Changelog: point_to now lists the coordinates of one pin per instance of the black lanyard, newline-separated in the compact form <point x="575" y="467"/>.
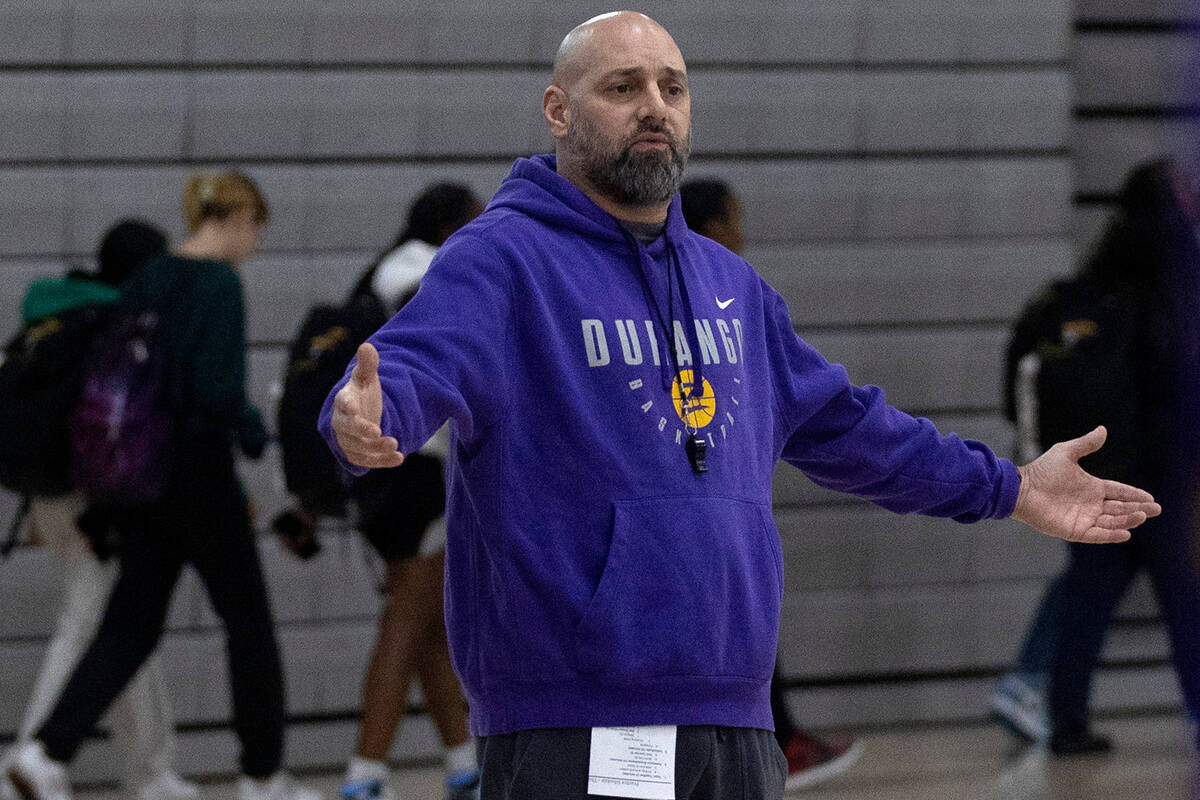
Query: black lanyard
<point x="696" y="447"/>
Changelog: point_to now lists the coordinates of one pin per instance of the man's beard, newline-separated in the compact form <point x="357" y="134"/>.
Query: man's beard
<point x="629" y="178"/>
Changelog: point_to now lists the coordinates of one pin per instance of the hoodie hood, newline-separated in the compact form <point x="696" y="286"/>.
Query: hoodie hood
<point x="48" y="296"/>
<point x="535" y="188"/>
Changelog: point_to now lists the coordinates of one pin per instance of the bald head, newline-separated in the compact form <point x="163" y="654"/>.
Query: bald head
<point x="605" y="36"/>
<point x="620" y="110"/>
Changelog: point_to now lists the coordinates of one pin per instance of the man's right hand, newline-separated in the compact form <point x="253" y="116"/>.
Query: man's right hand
<point x="357" y="412"/>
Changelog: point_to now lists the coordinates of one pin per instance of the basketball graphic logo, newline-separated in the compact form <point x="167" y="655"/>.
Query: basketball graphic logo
<point x="696" y="412"/>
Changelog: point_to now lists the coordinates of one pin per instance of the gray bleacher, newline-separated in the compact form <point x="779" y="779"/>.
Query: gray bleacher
<point x="908" y="172"/>
<point x="1136" y="66"/>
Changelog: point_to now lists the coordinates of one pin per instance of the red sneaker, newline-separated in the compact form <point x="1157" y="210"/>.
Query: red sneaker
<point x="811" y="759"/>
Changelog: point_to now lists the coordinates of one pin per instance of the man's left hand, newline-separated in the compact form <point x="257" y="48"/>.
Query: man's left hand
<point x="1059" y="498"/>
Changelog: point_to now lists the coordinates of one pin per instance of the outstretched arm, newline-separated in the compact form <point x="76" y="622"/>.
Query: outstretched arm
<point x="1058" y="498"/>
<point x="357" y="413"/>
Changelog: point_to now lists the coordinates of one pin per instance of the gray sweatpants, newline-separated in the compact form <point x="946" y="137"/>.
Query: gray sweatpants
<point x="711" y="763"/>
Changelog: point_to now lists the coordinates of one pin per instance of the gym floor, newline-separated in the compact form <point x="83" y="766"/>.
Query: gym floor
<point x="1151" y="761"/>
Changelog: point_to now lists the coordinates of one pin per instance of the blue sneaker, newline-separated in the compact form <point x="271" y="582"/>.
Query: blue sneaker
<point x="1021" y="708"/>
<point x="462" y="785"/>
<point x="366" y="789"/>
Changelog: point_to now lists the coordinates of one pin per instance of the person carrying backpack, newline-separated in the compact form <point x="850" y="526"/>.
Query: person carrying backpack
<point x="1115" y="345"/>
<point x="71" y="309"/>
<point x="202" y="518"/>
<point x="400" y="512"/>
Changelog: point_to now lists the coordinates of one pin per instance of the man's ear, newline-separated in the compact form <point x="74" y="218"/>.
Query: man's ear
<point x="556" y="109"/>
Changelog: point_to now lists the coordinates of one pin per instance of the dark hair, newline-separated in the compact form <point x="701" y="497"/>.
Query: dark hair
<point x="1149" y="190"/>
<point x="1147" y="231"/>
<point x="1147" y="255"/>
<point x="438" y="211"/>
<point x="125" y="248"/>
<point x="704" y="200"/>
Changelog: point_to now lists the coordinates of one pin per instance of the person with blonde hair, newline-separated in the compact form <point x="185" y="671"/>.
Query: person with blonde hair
<point x="202" y="518"/>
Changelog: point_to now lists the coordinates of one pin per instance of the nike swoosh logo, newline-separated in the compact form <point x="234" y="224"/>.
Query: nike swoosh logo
<point x="723" y="304"/>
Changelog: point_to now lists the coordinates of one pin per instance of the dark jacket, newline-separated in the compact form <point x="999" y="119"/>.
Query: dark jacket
<point x="202" y="307"/>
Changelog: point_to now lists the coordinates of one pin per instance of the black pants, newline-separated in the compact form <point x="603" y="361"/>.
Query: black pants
<point x="711" y="763"/>
<point x="1094" y="582"/>
<point x="203" y="521"/>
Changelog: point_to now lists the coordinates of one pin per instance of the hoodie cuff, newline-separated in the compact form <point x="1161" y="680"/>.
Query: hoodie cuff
<point x="1007" y="490"/>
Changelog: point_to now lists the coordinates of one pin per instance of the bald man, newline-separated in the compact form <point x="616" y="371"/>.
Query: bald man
<point x="620" y="390"/>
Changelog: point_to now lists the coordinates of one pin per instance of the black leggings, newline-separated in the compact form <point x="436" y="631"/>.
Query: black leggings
<point x="203" y="522"/>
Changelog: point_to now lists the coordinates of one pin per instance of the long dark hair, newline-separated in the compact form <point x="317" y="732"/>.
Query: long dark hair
<point x="437" y="212"/>
<point x="440" y="210"/>
<point x="1149" y="253"/>
<point x="1147" y="233"/>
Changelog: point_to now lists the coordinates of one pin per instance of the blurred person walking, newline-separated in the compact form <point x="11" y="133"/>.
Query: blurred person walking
<point x="142" y="721"/>
<point x="1124" y="334"/>
<point x="203" y="517"/>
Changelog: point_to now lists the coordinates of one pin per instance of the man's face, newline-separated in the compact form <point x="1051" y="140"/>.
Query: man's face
<point x="643" y="168"/>
<point x="629" y="130"/>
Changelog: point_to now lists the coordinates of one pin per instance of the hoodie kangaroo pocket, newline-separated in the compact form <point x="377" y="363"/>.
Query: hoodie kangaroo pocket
<point x="692" y="586"/>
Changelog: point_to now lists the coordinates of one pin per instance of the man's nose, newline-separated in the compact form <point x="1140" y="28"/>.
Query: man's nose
<point x="653" y="103"/>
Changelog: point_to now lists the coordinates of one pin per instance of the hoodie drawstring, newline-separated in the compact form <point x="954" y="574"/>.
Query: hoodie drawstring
<point x="670" y="367"/>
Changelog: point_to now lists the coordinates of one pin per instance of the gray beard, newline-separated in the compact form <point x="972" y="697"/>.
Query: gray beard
<point x="628" y="178"/>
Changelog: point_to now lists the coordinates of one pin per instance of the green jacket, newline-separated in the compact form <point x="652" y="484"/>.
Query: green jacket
<point x="46" y="297"/>
<point x="202" y="310"/>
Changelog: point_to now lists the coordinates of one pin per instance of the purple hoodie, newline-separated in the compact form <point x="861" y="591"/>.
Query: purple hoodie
<point x="593" y="578"/>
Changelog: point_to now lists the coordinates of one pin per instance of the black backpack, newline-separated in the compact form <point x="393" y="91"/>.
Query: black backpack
<point x="40" y="384"/>
<point x="1081" y="362"/>
<point x="317" y="359"/>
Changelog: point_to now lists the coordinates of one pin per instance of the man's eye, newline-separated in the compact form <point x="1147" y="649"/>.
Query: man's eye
<point x="622" y="88"/>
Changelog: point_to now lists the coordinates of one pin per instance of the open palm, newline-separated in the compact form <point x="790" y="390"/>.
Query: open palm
<point x="1059" y="498"/>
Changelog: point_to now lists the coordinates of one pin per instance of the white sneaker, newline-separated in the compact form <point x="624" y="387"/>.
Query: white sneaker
<point x="1021" y="708"/>
<point x="35" y="776"/>
<point x="366" y="789"/>
<point x="169" y="786"/>
<point x="1023" y="777"/>
<point x="279" y="786"/>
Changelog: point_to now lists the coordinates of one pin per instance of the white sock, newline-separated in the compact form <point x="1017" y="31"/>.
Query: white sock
<point x="461" y="758"/>
<point x="366" y="769"/>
